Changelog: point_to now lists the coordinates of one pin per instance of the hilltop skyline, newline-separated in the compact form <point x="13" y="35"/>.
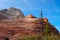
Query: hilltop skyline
<point x="50" y="8"/>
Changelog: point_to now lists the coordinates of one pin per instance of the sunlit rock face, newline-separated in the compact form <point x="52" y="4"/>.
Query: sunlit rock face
<point x="11" y="13"/>
<point x="15" y="24"/>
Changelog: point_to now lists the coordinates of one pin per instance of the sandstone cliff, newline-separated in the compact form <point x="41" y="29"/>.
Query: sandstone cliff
<point x="14" y="27"/>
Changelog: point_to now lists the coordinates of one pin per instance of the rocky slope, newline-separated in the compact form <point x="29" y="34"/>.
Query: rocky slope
<point x="14" y="27"/>
<point x="11" y="13"/>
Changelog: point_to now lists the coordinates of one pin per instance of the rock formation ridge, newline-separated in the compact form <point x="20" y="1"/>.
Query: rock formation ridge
<point x="14" y="24"/>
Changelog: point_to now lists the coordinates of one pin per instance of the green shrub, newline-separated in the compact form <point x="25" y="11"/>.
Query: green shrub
<point x="37" y="37"/>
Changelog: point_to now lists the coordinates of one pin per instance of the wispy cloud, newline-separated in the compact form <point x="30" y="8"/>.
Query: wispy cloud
<point x="43" y="1"/>
<point x="27" y="3"/>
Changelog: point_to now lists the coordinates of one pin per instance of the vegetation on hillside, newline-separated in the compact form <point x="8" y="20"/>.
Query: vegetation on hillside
<point x="37" y="37"/>
<point x="48" y="36"/>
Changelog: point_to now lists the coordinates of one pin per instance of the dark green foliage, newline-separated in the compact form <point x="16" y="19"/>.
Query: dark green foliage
<point x="47" y="29"/>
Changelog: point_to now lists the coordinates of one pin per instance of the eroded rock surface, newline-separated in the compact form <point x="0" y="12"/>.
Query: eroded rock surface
<point x="11" y="13"/>
<point x="13" y="24"/>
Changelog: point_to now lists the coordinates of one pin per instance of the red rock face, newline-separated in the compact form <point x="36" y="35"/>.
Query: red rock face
<point x="14" y="24"/>
<point x="13" y="28"/>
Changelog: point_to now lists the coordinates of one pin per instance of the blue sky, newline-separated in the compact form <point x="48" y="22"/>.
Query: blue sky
<point x="51" y="8"/>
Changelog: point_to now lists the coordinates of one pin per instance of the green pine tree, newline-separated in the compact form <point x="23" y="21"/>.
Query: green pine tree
<point x="47" y="30"/>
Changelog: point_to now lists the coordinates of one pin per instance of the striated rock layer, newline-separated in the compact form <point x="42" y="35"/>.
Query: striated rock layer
<point x="13" y="27"/>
